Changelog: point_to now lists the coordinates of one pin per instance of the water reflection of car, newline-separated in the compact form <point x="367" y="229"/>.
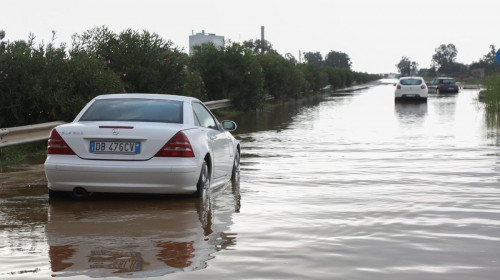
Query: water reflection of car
<point x="141" y="143"/>
<point x="138" y="238"/>
<point x="411" y="88"/>
<point x="443" y="85"/>
<point x="404" y="109"/>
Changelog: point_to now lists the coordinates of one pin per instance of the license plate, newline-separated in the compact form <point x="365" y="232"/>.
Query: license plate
<point x="115" y="147"/>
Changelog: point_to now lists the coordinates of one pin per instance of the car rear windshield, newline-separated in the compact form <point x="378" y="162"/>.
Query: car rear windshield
<point x="410" y="82"/>
<point x="135" y="110"/>
<point x="448" y="81"/>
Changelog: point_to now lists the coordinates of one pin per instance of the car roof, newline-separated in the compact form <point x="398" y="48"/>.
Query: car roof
<point x="148" y="96"/>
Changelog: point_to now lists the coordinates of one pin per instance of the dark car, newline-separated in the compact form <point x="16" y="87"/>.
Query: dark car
<point x="442" y="85"/>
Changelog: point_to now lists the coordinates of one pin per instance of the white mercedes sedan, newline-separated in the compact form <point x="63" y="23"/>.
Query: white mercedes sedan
<point x="141" y="143"/>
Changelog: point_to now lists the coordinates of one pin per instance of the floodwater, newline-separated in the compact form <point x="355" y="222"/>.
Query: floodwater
<point x="349" y="186"/>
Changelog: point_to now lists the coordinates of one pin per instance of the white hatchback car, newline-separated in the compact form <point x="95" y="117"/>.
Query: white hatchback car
<point x="141" y="143"/>
<point x="411" y="88"/>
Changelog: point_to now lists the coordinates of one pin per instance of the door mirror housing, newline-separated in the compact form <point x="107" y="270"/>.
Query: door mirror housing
<point x="229" y="125"/>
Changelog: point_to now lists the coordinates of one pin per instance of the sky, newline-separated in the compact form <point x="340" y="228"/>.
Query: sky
<point x="374" y="34"/>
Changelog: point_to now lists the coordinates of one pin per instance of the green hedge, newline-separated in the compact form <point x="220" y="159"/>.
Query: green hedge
<point x="47" y="82"/>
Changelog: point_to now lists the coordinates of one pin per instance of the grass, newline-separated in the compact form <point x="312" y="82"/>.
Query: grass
<point x="491" y="99"/>
<point x="18" y="154"/>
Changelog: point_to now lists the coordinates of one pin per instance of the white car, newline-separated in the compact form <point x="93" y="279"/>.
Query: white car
<point x="141" y="143"/>
<point x="411" y="88"/>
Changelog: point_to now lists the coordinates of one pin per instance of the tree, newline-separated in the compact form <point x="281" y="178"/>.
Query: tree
<point x="145" y="62"/>
<point x="427" y="72"/>
<point x="244" y="78"/>
<point x="291" y="58"/>
<point x="282" y="78"/>
<point x="2" y="44"/>
<point x="208" y="60"/>
<point x="231" y="72"/>
<point x="444" y="58"/>
<point x="490" y="57"/>
<point x="315" y="77"/>
<point x="406" y="67"/>
<point x="260" y="47"/>
<point x="313" y="58"/>
<point x="488" y="62"/>
<point x="47" y="83"/>
<point x="338" y="59"/>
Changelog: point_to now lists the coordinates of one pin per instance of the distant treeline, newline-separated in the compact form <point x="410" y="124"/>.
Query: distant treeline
<point x="40" y="83"/>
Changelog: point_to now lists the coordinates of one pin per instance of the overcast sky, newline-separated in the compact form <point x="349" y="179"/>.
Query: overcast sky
<point x="375" y="34"/>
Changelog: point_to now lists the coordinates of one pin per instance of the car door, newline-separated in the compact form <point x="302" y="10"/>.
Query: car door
<point x="217" y="140"/>
<point x="431" y="86"/>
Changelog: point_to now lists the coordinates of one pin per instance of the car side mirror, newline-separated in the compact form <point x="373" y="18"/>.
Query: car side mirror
<point x="229" y="125"/>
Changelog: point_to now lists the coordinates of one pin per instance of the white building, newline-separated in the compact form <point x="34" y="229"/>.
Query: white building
<point x="202" y="38"/>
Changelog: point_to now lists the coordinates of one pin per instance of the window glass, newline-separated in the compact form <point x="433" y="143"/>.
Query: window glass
<point x="410" y="82"/>
<point x="203" y="116"/>
<point x="134" y="110"/>
<point x="448" y="81"/>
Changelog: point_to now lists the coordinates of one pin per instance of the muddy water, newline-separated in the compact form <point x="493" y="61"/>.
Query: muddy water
<point x="337" y="187"/>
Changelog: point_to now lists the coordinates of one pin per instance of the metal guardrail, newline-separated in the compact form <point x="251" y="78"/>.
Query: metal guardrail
<point x="469" y="86"/>
<point x="25" y="134"/>
<point x="217" y="104"/>
<point x="38" y="132"/>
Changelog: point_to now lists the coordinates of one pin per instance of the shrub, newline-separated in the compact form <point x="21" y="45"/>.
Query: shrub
<point x="491" y="98"/>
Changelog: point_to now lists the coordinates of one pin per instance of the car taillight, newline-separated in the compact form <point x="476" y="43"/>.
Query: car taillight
<point x="177" y="146"/>
<point x="399" y="87"/>
<point x="422" y="86"/>
<point x="57" y="146"/>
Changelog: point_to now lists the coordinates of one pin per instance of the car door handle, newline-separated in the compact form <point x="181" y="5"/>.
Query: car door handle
<point x="212" y="137"/>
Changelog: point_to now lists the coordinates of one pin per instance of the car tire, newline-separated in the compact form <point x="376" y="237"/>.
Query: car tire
<point x="81" y="194"/>
<point x="204" y="181"/>
<point x="235" y="174"/>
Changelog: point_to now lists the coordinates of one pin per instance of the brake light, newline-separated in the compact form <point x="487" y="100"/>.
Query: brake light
<point x="57" y="146"/>
<point x="422" y="86"/>
<point x="177" y="146"/>
<point x="399" y="87"/>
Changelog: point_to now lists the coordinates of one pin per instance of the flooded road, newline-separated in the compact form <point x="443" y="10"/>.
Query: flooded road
<point x="335" y="187"/>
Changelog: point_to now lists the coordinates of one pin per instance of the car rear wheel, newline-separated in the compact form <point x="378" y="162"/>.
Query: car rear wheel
<point x="204" y="180"/>
<point x="235" y="175"/>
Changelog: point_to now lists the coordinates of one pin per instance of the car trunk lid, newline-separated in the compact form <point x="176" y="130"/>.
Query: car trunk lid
<point x="117" y="140"/>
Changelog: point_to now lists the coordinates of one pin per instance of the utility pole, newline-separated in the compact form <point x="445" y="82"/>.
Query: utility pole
<point x="262" y="40"/>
